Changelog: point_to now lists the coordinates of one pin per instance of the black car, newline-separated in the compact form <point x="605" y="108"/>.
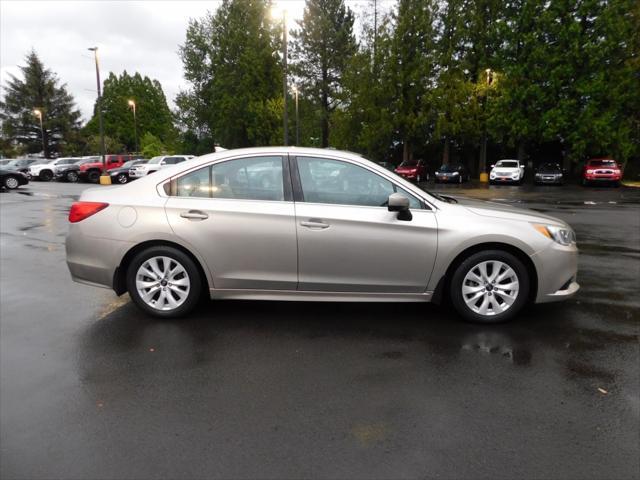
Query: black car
<point x="452" y="173"/>
<point x="121" y="175"/>
<point x="12" y="179"/>
<point x="549" y="173"/>
<point x="70" y="172"/>
<point x="23" y="164"/>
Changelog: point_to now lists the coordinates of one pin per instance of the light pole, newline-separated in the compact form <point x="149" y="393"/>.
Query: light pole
<point x="132" y="104"/>
<point x="483" y="150"/>
<point x="285" y="115"/>
<point x="38" y="113"/>
<point x="296" y="91"/>
<point x="107" y="178"/>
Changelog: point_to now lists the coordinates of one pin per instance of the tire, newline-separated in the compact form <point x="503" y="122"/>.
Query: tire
<point x="45" y="175"/>
<point x="459" y="179"/>
<point x="10" y="182"/>
<point x="495" y="312"/>
<point x="170" y="256"/>
<point x="72" y="177"/>
<point x="418" y="179"/>
<point x="122" y="178"/>
<point x="93" y="176"/>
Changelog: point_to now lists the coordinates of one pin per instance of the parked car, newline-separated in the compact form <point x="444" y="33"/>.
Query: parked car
<point x="91" y="171"/>
<point x="413" y="170"/>
<point x="549" y="173"/>
<point x="45" y="171"/>
<point x="210" y="224"/>
<point x="601" y="170"/>
<point x="452" y="173"/>
<point x="507" y="171"/>
<point x="11" y="178"/>
<point x="4" y="161"/>
<point x="155" y="164"/>
<point x="22" y="164"/>
<point x="70" y="172"/>
<point x="121" y="175"/>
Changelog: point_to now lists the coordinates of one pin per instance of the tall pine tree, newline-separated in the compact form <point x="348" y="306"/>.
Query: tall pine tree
<point x="38" y="89"/>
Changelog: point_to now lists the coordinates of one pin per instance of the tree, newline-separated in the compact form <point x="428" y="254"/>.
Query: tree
<point x="151" y="146"/>
<point x="322" y="46"/>
<point x="152" y="112"/>
<point x="231" y="61"/>
<point x="38" y="89"/>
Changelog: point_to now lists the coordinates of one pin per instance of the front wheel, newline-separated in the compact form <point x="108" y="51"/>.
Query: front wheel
<point x="164" y="282"/>
<point x="489" y="287"/>
<point x="11" y="183"/>
<point x="122" y="178"/>
<point x="72" y="177"/>
<point x="46" y="175"/>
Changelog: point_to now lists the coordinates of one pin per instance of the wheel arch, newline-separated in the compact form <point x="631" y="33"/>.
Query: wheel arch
<point x="442" y="286"/>
<point x="120" y="273"/>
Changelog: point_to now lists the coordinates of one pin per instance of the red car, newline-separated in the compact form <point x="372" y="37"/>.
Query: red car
<point x="600" y="170"/>
<point x="415" y="170"/>
<point x="90" y="171"/>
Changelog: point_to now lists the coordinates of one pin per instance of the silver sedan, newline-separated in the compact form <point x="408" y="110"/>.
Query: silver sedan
<point x="284" y="223"/>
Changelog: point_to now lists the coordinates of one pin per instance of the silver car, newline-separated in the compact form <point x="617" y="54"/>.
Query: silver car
<point x="285" y="223"/>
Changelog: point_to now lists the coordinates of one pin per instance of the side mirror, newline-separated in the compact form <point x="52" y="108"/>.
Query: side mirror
<point x="492" y="166"/>
<point x="399" y="203"/>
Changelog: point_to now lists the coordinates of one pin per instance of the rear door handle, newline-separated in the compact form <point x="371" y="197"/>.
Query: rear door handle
<point x="315" y="224"/>
<point x="194" y="215"/>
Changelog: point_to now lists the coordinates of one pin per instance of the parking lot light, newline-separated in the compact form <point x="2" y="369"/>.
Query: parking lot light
<point x="132" y="104"/>
<point x="38" y="113"/>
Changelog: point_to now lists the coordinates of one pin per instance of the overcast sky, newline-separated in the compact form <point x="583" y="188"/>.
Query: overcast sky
<point x="138" y="36"/>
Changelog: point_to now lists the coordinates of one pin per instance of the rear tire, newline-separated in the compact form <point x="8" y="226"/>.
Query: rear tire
<point x="93" y="176"/>
<point x="45" y="175"/>
<point x="159" y="295"/>
<point x="494" y="298"/>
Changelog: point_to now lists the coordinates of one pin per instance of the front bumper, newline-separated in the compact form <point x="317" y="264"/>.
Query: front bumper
<point x="447" y="178"/>
<point x="504" y="179"/>
<point x="549" y="179"/>
<point x="557" y="268"/>
<point x="137" y="173"/>
<point x="603" y="178"/>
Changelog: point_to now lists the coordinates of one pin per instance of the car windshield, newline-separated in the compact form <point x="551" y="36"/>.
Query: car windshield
<point x="156" y="159"/>
<point x="66" y="161"/>
<point x="409" y="163"/>
<point x="449" y="168"/>
<point x="603" y="163"/>
<point x="507" y="164"/>
<point x="550" y="166"/>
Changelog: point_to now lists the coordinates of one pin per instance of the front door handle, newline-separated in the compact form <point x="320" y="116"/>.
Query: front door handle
<point x="315" y="224"/>
<point x="194" y="215"/>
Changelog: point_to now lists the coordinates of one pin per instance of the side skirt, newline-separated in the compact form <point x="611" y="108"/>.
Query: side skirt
<point x="316" y="296"/>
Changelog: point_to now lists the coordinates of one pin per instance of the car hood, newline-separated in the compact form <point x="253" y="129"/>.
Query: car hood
<point x="506" y="211"/>
<point x="506" y="170"/>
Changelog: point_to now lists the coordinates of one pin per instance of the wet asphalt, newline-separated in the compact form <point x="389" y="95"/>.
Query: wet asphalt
<point x="92" y="388"/>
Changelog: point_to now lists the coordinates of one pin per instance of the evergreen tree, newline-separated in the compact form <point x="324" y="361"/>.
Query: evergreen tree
<point x="231" y="62"/>
<point x="152" y="112"/>
<point x="38" y="89"/>
<point x="322" y="47"/>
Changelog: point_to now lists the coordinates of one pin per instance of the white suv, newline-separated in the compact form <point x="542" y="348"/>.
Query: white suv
<point x="507" y="171"/>
<point x="157" y="163"/>
<point x="46" y="171"/>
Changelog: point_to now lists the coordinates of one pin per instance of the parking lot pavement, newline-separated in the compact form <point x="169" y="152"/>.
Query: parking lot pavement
<point x="92" y="388"/>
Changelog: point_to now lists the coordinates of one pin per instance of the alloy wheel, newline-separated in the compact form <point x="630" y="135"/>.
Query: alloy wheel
<point x="122" y="178"/>
<point x="72" y="177"/>
<point x="11" y="183"/>
<point x="490" y="288"/>
<point x="162" y="283"/>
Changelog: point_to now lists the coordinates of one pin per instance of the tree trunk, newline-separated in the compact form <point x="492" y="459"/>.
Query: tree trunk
<point x="324" y="135"/>
<point x="406" y="152"/>
<point x="445" y="153"/>
<point x="521" y="151"/>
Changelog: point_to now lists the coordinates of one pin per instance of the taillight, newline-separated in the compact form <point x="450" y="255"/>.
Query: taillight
<point x="81" y="210"/>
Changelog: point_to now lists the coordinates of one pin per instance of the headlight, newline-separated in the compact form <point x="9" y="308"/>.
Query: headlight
<point x="455" y="173"/>
<point x="590" y="171"/>
<point x="561" y="235"/>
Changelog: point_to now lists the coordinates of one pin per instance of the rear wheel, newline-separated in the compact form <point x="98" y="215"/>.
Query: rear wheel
<point x="93" y="176"/>
<point x="11" y="183"/>
<point x="164" y="282"/>
<point x="489" y="287"/>
<point x="46" y="175"/>
<point x="72" y="176"/>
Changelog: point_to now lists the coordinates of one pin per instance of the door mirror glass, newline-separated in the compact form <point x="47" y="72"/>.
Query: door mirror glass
<point x="399" y="203"/>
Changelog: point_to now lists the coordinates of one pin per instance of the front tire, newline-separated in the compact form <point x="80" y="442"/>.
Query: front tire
<point x="164" y="282"/>
<point x="72" y="177"/>
<point x="10" y="182"/>
<point x="122" y="178"/>
<point x="489" y="287"/>
<point x="46" y="175"/>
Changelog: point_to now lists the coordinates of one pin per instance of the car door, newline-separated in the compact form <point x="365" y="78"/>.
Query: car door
<point x="238" y="214"/>
<point x="348" y="241"/>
